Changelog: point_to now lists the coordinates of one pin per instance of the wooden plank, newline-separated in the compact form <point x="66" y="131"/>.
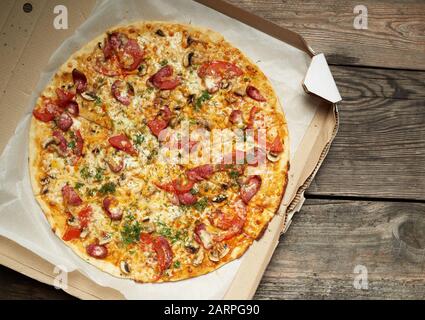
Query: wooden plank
<point x="394" y="37"/>
<point x="328" y="239"/>
<point x="380" y="148"/>
<point x="355" y="82"/>
<point x="17" y="286"/>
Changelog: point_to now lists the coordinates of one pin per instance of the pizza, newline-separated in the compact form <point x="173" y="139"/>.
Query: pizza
<point x="158" y="152"/>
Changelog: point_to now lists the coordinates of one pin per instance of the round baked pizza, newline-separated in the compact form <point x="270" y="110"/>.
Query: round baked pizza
<point x="158" y="152"/>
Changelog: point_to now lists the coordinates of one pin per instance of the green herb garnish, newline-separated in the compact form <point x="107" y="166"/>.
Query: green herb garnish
<point x="201" y="204"/>
<point x="99" y="174"/>
<point x="164" y="62"/>
<point x="205" y="96"/>
<point x="130" y="232"/>
<point x="177" y="264"/>
<point x="168" y="232"/>
<point x="98" y="101"/>
<point x="85" y="172"/>
<point x="78" y="185"/>
<point x="234" y="174"/>
<point x="138" y="139"/>
<point x="108" y="187"/>
<point x="71" y="144"/>
<point x="91" y="192"/>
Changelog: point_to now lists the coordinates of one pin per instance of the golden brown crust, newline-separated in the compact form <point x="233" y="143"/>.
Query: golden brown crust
<point x="260" y="210"/>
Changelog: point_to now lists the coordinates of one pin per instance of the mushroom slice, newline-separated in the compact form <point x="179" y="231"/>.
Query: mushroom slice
<point x="191" y="99"/>
<point x="240" y="91"/>
<point x="142" y="70"/>
<point x="73" y="222"/>
<point x="160" y="33"/>
<point x="219" y="198"/>
<point x="273" y="157"/>
<point x="44" y="181"/>
<point x="225" y="84"/>
<point x="89" y="96"/>
<point x="187" y="41"/>
<point x="148" y="227"/>
<point x="204" y="123"/>
<point x="106" y="238"/>
<point x="197" y="260"/>
<point x="164" y="94"/>
<point x="187" y="59"/>
<point x="125" y="267"/>
<point x="219" y="251"/>
<point x="84" y="233"/>
<point x="191" y="246"/>
<point x="48" y="142"/>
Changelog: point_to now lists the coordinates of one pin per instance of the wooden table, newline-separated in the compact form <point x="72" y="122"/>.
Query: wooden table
<point x="373" y="180"/>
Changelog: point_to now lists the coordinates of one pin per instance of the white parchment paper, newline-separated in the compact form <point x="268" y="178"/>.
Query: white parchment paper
<point x="21" y="219"/>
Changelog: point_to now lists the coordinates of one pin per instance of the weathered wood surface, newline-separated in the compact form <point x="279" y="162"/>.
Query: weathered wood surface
<point x="329" y="238"/>
<point x="395" y="36"/>
<point x="380" y="148"/>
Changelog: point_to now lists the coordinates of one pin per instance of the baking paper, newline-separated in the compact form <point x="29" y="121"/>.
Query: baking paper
<point x="22" y="220"/>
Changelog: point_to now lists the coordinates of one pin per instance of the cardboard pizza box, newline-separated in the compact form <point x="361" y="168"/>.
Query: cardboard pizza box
<point x="27" y="42"/>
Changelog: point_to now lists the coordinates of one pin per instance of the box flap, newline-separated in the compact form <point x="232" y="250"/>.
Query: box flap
<point x="319" y="80"/>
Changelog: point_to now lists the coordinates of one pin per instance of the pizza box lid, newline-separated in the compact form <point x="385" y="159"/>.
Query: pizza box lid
<point x="27" y="42"/>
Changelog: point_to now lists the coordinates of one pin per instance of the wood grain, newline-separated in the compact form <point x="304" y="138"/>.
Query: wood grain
<point x="363" y="82"/>
<point x="380" y="148"/>
<point x="16" y="286"/>
<point x="327" y="239"/>
<point x="395" y="36"/>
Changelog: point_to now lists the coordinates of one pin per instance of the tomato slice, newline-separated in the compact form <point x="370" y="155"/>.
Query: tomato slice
<point x="236" y="223"/>
<point x="276" y="146"/>
<point x="168" y="187"/>
<point x="157" y="125"/>
<point x="48" y="111"/>
<point x="249" y="189"/>
<point x="84" y="216"/>
<point x="64" y="97"/>
<point x="251" y="119"/>
<point x="219" y="69"/>
<point x="146" y="238"/>
<point x="200" y="173"/>
<point x="160" y="122"/>
<point x="163" y="252"/>
<point x="180" y="187"/>
<point x="71" y="233"/>
<point x="121" y="142"/>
